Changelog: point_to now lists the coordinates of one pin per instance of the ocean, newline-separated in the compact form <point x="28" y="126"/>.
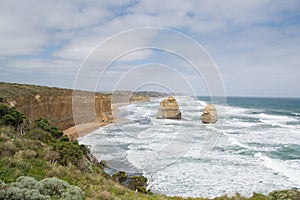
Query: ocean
<point x="254" y="146"/>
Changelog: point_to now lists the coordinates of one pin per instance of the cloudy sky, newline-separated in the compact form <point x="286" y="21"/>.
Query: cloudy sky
<point x="255" y="44"/>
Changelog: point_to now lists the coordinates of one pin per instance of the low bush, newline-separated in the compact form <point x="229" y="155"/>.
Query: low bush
<point x="29" y="188"/>
<point x="46" y="126"/>
<point x="120" y="176"/>
<point x="69" y="152"/>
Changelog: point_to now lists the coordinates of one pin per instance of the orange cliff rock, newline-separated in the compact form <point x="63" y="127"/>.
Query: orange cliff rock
<point x="64" y="108"/>
<point x="138" y="98"/>
<point x="59" y="110"/>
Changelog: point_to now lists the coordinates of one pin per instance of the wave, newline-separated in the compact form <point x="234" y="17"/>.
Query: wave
<point x="297" y="114"/>
<point x="272" y="123"/>
<point x="236" y="123"/>
<point x="276" y="118"/>
<point x="290" y="169"/>
<point x="232" y="110"/>
<point x="255" y="148"/>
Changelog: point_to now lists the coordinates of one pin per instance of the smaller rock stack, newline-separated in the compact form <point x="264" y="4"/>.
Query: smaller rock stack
<point x="168" y="109"/>
<point x="209" y="114"/>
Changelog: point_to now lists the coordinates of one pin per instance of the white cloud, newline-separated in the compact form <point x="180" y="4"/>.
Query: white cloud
<point x="243" y="37"/>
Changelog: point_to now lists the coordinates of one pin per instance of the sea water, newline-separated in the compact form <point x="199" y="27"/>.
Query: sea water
<point x="254" y="147"/>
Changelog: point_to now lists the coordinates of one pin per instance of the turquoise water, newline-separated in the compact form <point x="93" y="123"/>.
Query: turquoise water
<point x="254" y="147"/>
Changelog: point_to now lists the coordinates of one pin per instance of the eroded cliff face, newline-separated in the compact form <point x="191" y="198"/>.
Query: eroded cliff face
<point x="63" y="107"/>
<point x="139" y="98"/>
<point x="60" y="109"/>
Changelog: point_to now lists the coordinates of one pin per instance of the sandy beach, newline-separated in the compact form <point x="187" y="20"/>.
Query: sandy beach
<point x="81" y="130"/>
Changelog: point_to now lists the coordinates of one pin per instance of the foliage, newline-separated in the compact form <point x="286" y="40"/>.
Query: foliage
<point x="138" y="183"/>
<point x="4" y="109"/>
<point x="7" y="148"/>
<point x="285" y="195"/>
<point x="11" y="117"/>
<point x="29" y="188"/>
<point x="46" y="126"/>
<point x="2" y="100"/>
<point x="69" y="152"/>
<point x="39" y="135"/>
<point x="120" y="176"/>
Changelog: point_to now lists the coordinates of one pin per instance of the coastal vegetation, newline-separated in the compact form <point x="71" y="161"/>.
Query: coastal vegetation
<point x="38" y="162"/>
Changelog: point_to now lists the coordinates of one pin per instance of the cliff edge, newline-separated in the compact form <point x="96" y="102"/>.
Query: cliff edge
<point x="55" y="104"/>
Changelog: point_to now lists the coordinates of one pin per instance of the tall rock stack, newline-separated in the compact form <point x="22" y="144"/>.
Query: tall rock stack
<point x="209" y="114"/>
<point x="168" y="109"/>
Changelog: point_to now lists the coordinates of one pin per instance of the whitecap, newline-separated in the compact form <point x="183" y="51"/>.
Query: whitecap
<point x="289" y="168"/>
<point x="276" y="118"/>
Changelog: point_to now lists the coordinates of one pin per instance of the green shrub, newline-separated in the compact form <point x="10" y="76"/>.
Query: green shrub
<point x="7" y="148"/>
<point x="3" y="110"/>
<point x="14" y="193"/>
<point x="120" y="176"/>
<point x="30" y="189"/>
<point x="256" y="196"/>
<point x="69" y="152"/>
<point x="28" y="153"/>
<point x="52" y="157"/>
<point x="46" y="126"/>
<point x="11" y="117"/>
<point x="40" y="135"/>
<point x="285" y="195"/>
<point x="2" y="100"/>
<point x="56" y="188"/>
<point x="73" y="193"/>
<point x="35" y="195"/>
<point x="138" y="183"/>
<point x="64" y="139"/>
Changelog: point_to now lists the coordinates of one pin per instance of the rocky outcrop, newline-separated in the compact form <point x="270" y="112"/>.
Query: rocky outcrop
<point x="209" y="114"/>
<point x="168" y="109"/>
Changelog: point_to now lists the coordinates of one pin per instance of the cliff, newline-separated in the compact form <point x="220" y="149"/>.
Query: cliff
<point x="56" y="104"/>
<point x="59" y="109"/>
<point x="65" y="108"/>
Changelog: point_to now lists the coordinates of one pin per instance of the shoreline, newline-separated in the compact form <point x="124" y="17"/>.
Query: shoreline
<point x="81" y="130"/>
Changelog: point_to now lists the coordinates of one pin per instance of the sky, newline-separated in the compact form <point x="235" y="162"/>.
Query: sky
<point x="253" y="45"/>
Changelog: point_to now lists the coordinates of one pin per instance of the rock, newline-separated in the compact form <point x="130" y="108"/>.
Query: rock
<point x="209" y="114"/>
<point x="38" y="98"/>
<point x="168" y="109"/>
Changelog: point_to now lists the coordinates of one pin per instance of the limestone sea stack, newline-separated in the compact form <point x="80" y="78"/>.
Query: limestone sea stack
<point x="168" y="109"/>
<point x="209" y="114"/>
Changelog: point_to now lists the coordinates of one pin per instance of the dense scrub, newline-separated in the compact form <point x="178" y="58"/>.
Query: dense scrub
<point x="37" y="162"/>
